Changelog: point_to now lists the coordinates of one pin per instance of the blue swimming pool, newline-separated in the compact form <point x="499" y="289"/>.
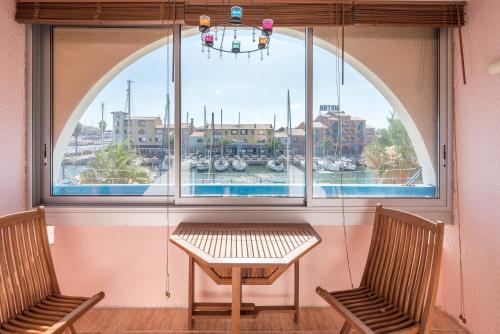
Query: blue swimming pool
<point x="248" y="190"/>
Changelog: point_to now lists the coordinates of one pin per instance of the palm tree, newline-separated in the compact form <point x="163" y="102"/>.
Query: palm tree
<point x="391" y="154"/>
<point x="76" y="133"/>
<point x="115" y="165"/>
<point x="276" y="146"/>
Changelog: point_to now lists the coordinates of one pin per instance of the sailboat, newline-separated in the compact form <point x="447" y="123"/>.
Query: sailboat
<point x="187" y="163"/>
<point x="220" y="164"/>
<point x="276" y="165"/>
<point x="239" y="164"/>
<point x="315" y="164"/>
<point x="328" y="165"/>
<point x="346" y="164"/>
<point x="203" y="164"/>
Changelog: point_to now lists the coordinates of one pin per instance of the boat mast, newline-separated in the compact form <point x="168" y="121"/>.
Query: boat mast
<point x="221" y="141"/>
<point x="102" y="124"/>
<point x="211" y="144"/>
<point x="289" y="126"/>
<point x="323" y="135"/>
<point x="274" y="142"/>
<point x="167" y="121"/>
<point x="205" y="130"/>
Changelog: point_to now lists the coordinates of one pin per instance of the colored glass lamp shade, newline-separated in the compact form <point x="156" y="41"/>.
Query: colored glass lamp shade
<point x="262" y="42"/>
<point x="204" y="22"/>
<point x="267" y="26"/>
<point x="236" y="46"/>
<point x="209" y="39"/>
<point x="236" y="14"/>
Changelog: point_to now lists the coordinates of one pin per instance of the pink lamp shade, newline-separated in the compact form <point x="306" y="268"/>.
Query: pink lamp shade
<point x="267" y="26"/>
<point x="209" y="39"/>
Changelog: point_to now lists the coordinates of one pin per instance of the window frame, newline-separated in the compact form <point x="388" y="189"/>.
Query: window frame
<point x="41" y="141"/>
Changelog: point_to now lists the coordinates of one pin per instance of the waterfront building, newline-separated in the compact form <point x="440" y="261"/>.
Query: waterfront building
<point x="241" y="139"/>
<point x="161" y="131"/>
<point x="370" y="133"/>
<point x="138" y="131"/>
<point x="355" y="134"/>
<point x="298" y="143"/>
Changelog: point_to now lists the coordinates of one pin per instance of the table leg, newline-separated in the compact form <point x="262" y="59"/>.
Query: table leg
<point x="236" y="300"/>
<point x="296" y="294"/>
<point x="191" y="293"/>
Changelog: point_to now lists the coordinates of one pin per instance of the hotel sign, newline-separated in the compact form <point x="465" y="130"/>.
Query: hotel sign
<point x="328" y="107"/>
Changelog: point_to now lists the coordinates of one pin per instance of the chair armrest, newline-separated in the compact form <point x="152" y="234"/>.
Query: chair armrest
<point x="74" y="315"/>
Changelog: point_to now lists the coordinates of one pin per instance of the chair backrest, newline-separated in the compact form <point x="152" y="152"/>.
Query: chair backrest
<point x="404" y="262"/>
<point x="27" y="273"/>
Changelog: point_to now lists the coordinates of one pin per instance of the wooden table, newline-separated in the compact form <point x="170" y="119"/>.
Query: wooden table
<point x="243" y="254"/>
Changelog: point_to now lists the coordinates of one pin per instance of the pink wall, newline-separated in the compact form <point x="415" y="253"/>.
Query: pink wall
<point x="477" y="107"/>
<point x="128" y="262"/>
<point x="12" y="115"/>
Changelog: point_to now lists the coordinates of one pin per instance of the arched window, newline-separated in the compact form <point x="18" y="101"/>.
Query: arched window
<point x="373" y="136"/>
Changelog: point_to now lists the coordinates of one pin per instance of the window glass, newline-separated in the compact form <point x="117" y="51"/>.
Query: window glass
<point x="110" y="129"/>
<point x="375" y="136"/>
<point x="257" y="102"/>
<point x="243" y="119"/>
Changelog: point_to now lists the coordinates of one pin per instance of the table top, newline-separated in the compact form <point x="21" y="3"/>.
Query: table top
<point x="245" y="244"/>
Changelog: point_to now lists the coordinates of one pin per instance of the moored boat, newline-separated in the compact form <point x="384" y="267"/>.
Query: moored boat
<point x="276" y="165"/>
<point x="203" y="165"/>
<point x="239" y="165"/>
<point x="221" y="164"/>
<point x="346" y="164"/>
<point x="314" y="165"/>
<point x="328" y="165"/>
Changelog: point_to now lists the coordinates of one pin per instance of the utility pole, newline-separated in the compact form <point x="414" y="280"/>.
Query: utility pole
<point x="129" y="110"/>
<point x="102" y="124"/>
<point x="186" y="136"/>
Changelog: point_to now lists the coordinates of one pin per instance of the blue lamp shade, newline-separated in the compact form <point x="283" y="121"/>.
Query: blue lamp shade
<point x="236" y="14"/>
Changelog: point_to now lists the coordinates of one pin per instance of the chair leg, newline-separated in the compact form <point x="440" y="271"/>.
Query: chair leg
<point x="345" y="328"/>
<point x="72" y="329"/>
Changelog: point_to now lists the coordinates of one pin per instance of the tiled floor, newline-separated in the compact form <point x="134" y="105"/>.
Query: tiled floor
<point x="319" y="320"/>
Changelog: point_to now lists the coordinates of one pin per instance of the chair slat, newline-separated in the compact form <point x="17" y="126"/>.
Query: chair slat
<point x="24" y="257"/>
<point x="13" y="272"/>
<point x="20" y="267"/>
<point x="47" y="254"/>
<point x="6" y="278"/>
<point x="39" y="293"/>
<point x="38" y="257"/>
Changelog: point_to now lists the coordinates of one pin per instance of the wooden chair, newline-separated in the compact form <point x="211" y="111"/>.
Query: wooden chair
<point x="30" y="300"/>
<point x="398" y="287"/>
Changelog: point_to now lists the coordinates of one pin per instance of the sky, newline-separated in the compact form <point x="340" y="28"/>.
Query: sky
<point x="255" y="88"/>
